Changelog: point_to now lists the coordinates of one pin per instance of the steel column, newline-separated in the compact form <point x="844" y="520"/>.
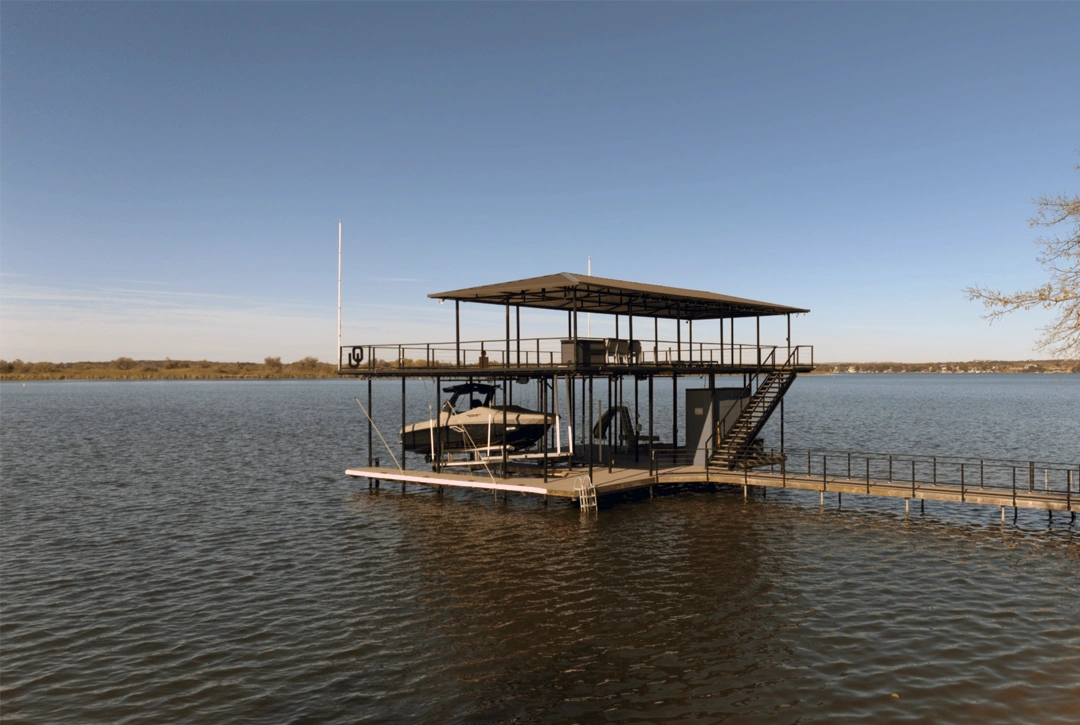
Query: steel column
<point x="505" y="462"/>
<point x="674" y="410"/>
<point x="370" y="415"/>
<point x="651" y="436"/>
<point x="590" y="435"/>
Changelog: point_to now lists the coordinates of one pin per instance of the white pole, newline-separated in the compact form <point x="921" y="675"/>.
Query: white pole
<point x="339" y="293"/>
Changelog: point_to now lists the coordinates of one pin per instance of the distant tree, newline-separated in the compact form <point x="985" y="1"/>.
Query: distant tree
<point x="272" y="363"/>
<point x="1061" y="259"/>
<point x="123" y="363"/>
<point x="308" y="363"/>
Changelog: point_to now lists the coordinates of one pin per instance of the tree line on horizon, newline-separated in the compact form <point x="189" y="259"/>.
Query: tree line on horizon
<point x="126" y="368"/>
<point x="974" y="366"/>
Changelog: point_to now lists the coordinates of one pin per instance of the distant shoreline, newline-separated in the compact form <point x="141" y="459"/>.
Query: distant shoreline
<point x="974" y="367"/>
<point x="125" y="368"/>
<point x="311" y="369"/>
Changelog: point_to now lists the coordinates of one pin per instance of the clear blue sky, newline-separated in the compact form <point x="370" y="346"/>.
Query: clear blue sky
<point x="171" y="175"/>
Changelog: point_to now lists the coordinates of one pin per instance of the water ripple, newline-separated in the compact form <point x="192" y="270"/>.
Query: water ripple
<point x="190" y="552"/>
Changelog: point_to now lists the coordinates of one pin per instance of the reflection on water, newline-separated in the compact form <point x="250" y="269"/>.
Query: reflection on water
<point x="179" y="551"/>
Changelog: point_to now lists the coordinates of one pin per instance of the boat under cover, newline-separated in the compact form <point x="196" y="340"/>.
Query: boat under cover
<point x="477" y="423"/>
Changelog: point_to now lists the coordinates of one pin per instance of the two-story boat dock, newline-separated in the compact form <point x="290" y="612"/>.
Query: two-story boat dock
<point x="604" y="433"/>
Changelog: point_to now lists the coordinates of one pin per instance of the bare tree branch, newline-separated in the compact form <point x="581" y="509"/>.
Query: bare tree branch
<point x="1061" y="259"/>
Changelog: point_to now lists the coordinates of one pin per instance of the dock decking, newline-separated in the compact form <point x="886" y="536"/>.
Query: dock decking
<point x="629" y="477"/>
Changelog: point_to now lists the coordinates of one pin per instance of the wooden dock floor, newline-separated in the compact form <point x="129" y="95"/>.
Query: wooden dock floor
<point x="630" y="477"/>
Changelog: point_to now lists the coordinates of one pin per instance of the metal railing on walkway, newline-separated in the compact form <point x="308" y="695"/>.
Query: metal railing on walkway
<point x="917" y="473"/>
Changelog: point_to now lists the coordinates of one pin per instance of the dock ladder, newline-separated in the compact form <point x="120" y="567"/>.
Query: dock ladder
<point x="586" y="493"/>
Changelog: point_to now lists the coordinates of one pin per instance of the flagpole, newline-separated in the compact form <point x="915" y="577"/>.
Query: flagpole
<point x="339" y="294"/>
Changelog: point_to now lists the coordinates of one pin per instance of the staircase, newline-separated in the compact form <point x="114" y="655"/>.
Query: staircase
<point x="740" y="448"/>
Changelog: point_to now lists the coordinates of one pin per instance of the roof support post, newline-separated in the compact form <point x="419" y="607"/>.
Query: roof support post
<point x="691" y="328"/>
<point x="574" y="314"/>
<point x="721" y="340"/>
<point x="457" y="333"/>
<point x="678" y="337"/>
<point x="506" y="360"/>
<point x="758" y="321"/>
<point x="788" y="316"/>
<point x="630" y="322"/>
<point x="517" y="329"/>
<point x="656" y="341"/>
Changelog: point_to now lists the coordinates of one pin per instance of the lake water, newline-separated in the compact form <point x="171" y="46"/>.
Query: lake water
<point x="192" y="552"/>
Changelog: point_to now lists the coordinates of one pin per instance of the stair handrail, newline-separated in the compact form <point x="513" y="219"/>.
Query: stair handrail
<point x="788" y="365"/>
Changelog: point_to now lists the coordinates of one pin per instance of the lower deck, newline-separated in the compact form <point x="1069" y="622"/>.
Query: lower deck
<point x="630" y="476"/>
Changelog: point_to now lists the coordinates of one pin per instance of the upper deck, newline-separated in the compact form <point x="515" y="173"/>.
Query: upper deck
<point x="557" y="356"/>
<point x="641" y="353"/>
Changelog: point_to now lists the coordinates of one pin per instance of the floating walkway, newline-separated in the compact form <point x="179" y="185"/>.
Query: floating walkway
<point x="1015" y="484"/>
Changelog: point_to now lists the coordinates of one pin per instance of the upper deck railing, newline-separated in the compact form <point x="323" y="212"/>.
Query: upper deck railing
<point x="556" y="352"/>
